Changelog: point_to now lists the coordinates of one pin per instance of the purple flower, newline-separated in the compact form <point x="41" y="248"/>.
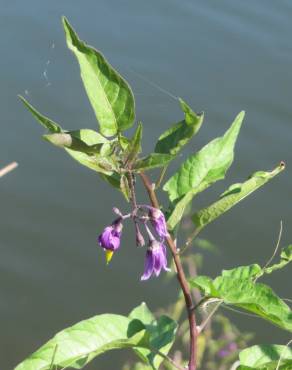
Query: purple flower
<point x="155" y="259"/>
<point x="110" y="238"/>
<point x="226" y="351"/>
<point x="158" y="222"/>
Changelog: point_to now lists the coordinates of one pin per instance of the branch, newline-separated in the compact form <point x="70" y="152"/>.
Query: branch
<point x="8" y="168"/>
<point x="167" y="358"/>
<point x="181" y="278"/>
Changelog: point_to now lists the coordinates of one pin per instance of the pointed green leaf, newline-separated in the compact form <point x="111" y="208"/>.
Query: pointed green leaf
<point x="124" y="187"/>
<point x="98" y="163"/>
<point x="172" y="140"/>
<point x="205" y="167"/>
<point x="245" y="293"/>
<point x="76" y="346"/>
<point x="67" y="140"/>
<point x="178" y="209"/>
<point x="199" y="171"/>
<point x="109" y="94"/>
<point x="233" y="195"/>
<point x="266" y="357"/>
<point x="43" y="120"/>
<point x="249" y="272"/>
<point x="134" y="146"/>
<point x="142" y="313"/>
<point x="161" y="335"/>
<point x="84" y="146"/>
<point x="285" y="258"/>
<point x="88" y="136"/>
<point x="152" y="161"/>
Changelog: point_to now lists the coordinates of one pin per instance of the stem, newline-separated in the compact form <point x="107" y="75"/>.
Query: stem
<point x="207" y="319"/>
<point x="190" y="239"/>
<point x="132" y="189"/>
<point x="160" y="179"/>
<point x="8" y="168"/>
<point x="167" y="358"/>
<point x="181" y="278"/>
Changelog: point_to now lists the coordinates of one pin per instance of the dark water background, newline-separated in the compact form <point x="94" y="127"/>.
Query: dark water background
<point x="221" y="57"/>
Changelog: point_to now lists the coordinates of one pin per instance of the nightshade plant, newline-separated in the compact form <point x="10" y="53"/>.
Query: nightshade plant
<point x="117" y="159"/>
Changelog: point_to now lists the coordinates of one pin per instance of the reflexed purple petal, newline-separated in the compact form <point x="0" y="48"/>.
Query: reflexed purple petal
<point x="158" y="222"/>
<point x="155" y="259"/>
<point x="164" y="265"/>
<point x="149" y="265"/>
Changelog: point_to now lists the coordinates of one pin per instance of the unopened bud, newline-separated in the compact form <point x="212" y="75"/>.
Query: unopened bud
<point x="140" y="241"/>
<point x="117" y="212"/>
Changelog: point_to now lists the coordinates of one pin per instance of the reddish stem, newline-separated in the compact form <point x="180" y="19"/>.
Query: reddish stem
<point x="181" y="278"/>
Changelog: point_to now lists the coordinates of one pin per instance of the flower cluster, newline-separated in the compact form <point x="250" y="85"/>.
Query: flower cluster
<point x="156" y="260"/>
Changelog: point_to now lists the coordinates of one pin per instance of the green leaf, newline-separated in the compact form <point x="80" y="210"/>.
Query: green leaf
<point x="172" y="140"/>
<point x="285" y="258"/>
<point x="43" y="120"/>
<point x="124" y="187"/>
<point x="249" y="272"/>
<point x="245" y="293"/>
<point x="134" y="146"/>
<point x="109" y="94"/>
<point x="76" y="346"/>
<point x="161" y="338"/>
<point x="137" y="366"/>
<point x="104" y="165"/>
<point x="142" y="313"/>
<point x="152" y="161"/>
<point x="266" y="356"/>
<point x="178" y="209"/>
<point x="161" y="335"/>
<point x="67" y="140"/>
<point x="89" y="137"/>
<point x="113" y="179"/>
<point x="233" y="195"/>
<point x="205" y="167"/>
<point x="87" y="147"/>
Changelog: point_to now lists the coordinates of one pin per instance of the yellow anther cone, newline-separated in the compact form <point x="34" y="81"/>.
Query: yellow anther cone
<point x="108" y="256"/>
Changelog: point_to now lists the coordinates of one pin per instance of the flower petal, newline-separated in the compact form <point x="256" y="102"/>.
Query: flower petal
<point x="149" y="265"/>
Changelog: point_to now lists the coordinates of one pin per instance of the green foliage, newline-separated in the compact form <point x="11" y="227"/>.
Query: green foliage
<point x="109" y="94"/>
<point x="250" y="272"/>
<point x="125" y="188"/>
<point x="134" y="146"/>
<point x="87" y="147"/>
<point x="201" y="170"/>
<point x="233" y="195"/>
<point x="266" y="357"/>
<point x="43" y="120"/>
<point x="78" y="345"/>
<point x="207" y="166"/>
<point x="153" y="160"/>
<point x="161" y="335"/>
<point x="285" y="258"/>
<point x="178" y="135"/>
<point x="237" y="287"/>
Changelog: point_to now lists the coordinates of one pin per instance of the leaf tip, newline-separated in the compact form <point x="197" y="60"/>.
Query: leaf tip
<point x="65" y="22"/>
<point x="241" y="114"/>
